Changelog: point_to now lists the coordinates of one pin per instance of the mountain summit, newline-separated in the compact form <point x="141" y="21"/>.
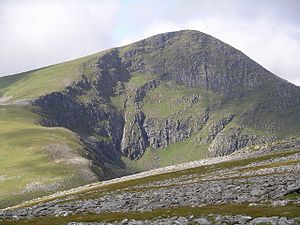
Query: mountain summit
<point x="171" y="98"/>
<point x="182" y="86"/>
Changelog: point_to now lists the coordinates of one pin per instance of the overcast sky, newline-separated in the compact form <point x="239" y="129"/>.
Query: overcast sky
<point x="36" y="33"/>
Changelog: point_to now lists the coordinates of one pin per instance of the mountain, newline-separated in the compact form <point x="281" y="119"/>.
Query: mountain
<point x="171" y="98"/>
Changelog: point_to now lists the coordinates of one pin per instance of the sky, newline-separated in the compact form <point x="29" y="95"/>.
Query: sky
<point x="37" y="33"/>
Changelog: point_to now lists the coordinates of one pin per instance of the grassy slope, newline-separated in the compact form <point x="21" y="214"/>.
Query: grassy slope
<point x="25" y="160"/>
<point x="38" y="82"/>
<point x="168" y="99"/>
<point x="180" y="152"/>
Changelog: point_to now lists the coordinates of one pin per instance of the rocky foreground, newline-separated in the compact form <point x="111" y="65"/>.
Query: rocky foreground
<point x="258" y="185"/>
<point x="211" y="219"/>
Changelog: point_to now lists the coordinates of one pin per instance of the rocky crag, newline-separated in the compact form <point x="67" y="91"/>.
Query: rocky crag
<point x="170" y="88"/>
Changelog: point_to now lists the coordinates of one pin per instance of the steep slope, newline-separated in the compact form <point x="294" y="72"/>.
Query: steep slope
<point x="32" y="84"/>
<point x="168" y="99"/>
<point x="37" y="160"/>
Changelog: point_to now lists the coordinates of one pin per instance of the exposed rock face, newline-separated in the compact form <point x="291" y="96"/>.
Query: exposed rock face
<point x="84" y="108"/>
<point x="217" y="127"/>
<point x="196" y="59"/>
<point x="163" y="132"/>
<point x="135" y="138"/>
<point x="234" y="139"/>
<point x="99" y="124"/>
<point x="192" y="61"/>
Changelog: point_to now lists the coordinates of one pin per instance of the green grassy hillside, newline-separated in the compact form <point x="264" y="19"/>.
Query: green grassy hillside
<point x="32" y="84"/>
<point x="37" y="160"/>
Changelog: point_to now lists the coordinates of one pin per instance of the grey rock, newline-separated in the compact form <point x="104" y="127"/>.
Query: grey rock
<point x="63" y="213"/>
<point x="264" y="220"/>
<point x="285" y="221"/>
<point x="124" y="221"/>
<point x="135" y="222"/>
<point x="257" y="191"/>
<point x="279" y="203"/>
<point x="202" y="221"/>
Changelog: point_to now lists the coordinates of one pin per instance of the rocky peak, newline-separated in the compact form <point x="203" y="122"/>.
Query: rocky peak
<point x="220" y="98"/>
<point x="195" y="59"/>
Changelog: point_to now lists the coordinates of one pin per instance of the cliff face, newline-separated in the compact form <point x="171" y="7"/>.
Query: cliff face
<point x="171" y="88"/>
<point x="84" y="108"/>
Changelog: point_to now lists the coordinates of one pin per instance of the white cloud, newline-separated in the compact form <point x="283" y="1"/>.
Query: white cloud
<point x="148" y="31"/>
<point x="37" y="33"/>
